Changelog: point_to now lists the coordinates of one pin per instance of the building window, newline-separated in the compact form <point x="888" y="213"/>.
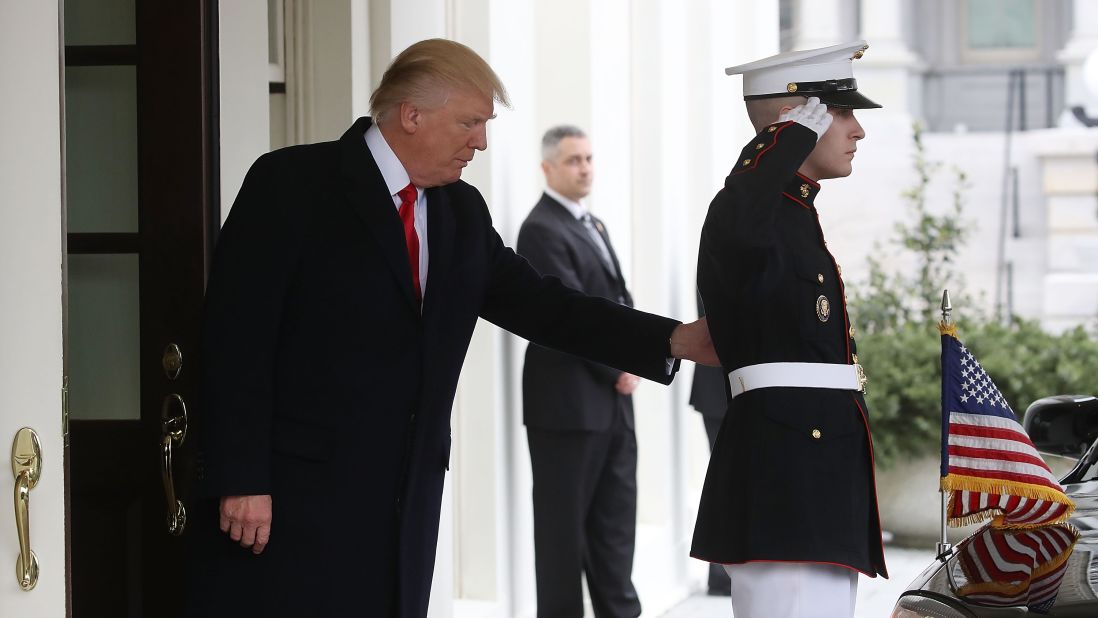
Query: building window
<point x="1000" y="31"/>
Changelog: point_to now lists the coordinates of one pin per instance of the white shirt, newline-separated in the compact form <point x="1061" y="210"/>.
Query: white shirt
<point x="396" y="178"/>
<point x="576" y="208"/>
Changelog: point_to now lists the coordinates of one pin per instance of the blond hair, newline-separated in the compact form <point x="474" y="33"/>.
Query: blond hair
<point x="423" y="74"/>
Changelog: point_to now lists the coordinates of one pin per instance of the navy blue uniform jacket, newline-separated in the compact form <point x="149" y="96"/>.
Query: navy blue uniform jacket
<point x="791" y="474"/>
<point x="326" y="387"/>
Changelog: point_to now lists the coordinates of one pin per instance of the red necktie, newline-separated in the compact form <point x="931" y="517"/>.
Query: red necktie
<point x="408" y="197"/>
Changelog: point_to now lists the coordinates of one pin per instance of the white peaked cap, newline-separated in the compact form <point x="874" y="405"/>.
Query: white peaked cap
<point x="826" y="73"/>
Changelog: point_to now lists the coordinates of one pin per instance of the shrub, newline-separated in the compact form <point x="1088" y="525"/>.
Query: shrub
<point x="897" y="313"/>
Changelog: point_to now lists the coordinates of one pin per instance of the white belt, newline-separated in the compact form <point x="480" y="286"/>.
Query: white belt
<point x="797" y="375"/>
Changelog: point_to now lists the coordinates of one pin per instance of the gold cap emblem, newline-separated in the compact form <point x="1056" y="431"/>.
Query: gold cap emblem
<point x="823" y="308"/>
<point x="791" y="87"/>
<point x="804" y="190"/>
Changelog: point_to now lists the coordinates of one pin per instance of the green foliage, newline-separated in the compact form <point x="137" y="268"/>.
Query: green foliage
<point x="897" y="313"/>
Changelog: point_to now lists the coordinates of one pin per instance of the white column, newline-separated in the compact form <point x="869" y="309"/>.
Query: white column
<point x="819" y="23"/>
<point x="889" y="73"/>
<point x="244" y="104"/>
<point x="1083" y="41"/>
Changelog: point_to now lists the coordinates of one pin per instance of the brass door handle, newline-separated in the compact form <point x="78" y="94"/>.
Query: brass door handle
<point x="174" y="428"/>
<point x="26" y="465"/>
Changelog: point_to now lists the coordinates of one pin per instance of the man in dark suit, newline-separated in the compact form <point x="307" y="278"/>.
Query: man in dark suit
<point x="578" y="412"/>
<point x="332" y="350"/>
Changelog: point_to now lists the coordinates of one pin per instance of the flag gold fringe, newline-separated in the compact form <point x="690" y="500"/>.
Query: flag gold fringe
<point x="1012" y="588"/>
<point x="947" y="329"/>
<point x="953" y="483"/>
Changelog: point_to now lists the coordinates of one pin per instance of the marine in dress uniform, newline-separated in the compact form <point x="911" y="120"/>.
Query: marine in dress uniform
<point x="789" y="501"/>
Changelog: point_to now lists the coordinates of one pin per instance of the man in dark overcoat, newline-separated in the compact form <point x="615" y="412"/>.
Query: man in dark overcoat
<point x="789" y="501"/>
<point x="341" y="300"/>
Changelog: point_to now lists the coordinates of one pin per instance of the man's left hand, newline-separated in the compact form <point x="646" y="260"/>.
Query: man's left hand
<point x="692" y="342"/>
<point x="627" y="383"/>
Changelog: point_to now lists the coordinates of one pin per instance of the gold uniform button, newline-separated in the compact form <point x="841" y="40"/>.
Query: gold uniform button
<point x="746" y="162"/>
<point x="851" y="331"/>
<point x="772" y="129"/>
<point x="759" y="146"/>
<point x="791" y="87"/>
<point x="820" y="277"/>
<point x="816" y="434"/>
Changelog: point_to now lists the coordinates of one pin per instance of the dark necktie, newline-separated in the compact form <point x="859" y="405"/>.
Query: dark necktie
<point x="600" y="242"/>
<point x="407" y="211"/>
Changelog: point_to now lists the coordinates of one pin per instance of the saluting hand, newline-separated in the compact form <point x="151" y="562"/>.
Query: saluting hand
<point x="811" y="114"/>
<point x="247" y="519"/>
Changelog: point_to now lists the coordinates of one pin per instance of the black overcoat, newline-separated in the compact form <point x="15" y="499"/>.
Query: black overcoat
<point x="328" y="388"/>
<point x="791" y="474"/>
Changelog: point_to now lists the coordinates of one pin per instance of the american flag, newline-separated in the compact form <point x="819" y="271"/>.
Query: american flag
<point x="989" y="464"/>
<point x="1012" y="568"/>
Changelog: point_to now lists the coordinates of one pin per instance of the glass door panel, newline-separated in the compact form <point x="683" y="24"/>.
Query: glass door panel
<point x="104" y="337"/>
<point x="100" y="22"/>
<point x="101" y="148"/>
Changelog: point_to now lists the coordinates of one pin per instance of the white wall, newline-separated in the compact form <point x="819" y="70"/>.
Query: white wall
<point x="244" y="102"/>
<point x="31" y="289"/>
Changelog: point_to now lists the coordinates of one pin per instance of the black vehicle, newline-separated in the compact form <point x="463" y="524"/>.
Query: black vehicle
<point x="1049" y="571"/>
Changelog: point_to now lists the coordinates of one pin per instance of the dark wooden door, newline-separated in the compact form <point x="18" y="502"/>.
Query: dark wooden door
<point x="141" y="195"/>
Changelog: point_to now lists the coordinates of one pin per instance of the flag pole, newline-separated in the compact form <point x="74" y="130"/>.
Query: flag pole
<point x="944" y="548"/>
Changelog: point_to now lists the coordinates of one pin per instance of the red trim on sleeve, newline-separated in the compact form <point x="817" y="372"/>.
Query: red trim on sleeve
<point x="758" y="155"/>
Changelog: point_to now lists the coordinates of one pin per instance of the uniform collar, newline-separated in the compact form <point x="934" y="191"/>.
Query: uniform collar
<point x="802" y="189"/>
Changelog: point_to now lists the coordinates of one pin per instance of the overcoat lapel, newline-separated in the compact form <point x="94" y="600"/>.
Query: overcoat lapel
<point x="368" y="197"/>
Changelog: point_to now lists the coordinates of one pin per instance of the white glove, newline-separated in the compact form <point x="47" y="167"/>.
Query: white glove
<point x="812" y="114"/>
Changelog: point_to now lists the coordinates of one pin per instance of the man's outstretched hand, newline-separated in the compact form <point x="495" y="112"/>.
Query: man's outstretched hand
<point x="247" y="519"/>
<point x="691" y="341"/>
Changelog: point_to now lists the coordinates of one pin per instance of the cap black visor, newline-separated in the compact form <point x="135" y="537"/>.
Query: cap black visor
<point x="846" y="99"/>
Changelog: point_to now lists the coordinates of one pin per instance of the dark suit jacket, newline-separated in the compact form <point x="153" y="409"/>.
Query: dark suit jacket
<point x="325" y="385"/>
<point x="791" y="474"/>
<point x="559" y="390"/>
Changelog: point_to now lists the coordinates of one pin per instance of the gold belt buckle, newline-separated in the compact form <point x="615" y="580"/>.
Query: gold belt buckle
<point x="862" y="379"/>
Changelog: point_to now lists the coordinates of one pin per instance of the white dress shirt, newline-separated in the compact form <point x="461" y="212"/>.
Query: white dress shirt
<point x="396" y="178"/>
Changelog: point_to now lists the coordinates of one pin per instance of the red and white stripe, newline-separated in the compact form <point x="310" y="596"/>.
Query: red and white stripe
<point x="997" y="449"/>
<point x="1015" y="562"/>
